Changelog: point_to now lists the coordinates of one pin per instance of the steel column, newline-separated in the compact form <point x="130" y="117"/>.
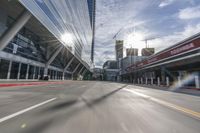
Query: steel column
<point x="14" y="29"/>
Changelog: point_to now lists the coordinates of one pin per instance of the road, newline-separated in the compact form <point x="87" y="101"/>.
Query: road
<point x="96" y="107"/>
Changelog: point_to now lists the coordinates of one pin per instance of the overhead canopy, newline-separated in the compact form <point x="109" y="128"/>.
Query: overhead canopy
<point x="68" y="21"/>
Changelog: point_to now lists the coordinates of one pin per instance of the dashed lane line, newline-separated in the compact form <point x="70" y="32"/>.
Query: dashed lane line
<point x="25" y="110"/>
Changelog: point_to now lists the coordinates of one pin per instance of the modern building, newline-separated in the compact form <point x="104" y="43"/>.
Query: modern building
<point x="111" y="70"/>
<point x="131" y="52"/>
<point x="97" y="74"/>
<point x="119" y="49"/>
<point x="46" y="38"/>
<point x="177" y="65"/>
<point x="127" y="61"/>
<point x="92" y="13"/>
<point x="110" y="64"/>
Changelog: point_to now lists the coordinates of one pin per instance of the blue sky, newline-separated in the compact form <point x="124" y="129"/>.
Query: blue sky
<point x="168" y="21"/>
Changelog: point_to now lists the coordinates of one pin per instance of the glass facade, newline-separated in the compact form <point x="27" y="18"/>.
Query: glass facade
<point x="25" y="44"/>
<point x="31" y="72"/>
<point x="36" y="72"/>
<point x="68" y="20"/>
<point x="23" y="71"/>
<point x="26" y="71"/>
<point x="4" y="65"/>
<point x="91" y="8"/>
<point x="14" y="70"/>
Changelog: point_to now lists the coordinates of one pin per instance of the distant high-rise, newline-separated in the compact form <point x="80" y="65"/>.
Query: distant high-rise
<point x="92" y="12"/>
<point x="131" y="52"/>
<point x="119" y="49"/>
<point x="147" y="51"/>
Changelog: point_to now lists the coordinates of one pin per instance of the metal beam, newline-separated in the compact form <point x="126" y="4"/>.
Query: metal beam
<point x="14" y="29"/>
<point x="84" y="72"/>
<point x="76" y="68"/>
<point x="80" y="70"/>
<point x="69" y="63"/>
<point x="54" y="55"/>
<point x="51" y="59"/>
<point x="67" y="66"/>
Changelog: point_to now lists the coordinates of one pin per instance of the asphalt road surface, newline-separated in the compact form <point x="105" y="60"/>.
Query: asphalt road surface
<point x="96" y="107"/>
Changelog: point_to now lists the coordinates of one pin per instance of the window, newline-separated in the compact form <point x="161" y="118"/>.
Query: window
<point x="4" y="65"/>
<point x="14" y="70"/>
<point x="23" y="71"/>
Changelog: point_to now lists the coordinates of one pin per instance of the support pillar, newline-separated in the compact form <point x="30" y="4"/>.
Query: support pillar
<point x="9" y="70"/>
<point x="197" y="84"/>
<point x="19" y="69"/>
<point x="56" y="75"/>
<point x="46" y="71"/>
<point x="138" y="81"/>
<point x="141" y="80"/>
<point x="63" y="75"/>
<point x="158" y="81"/>
<point x="179" y="81"/>
<point x="39" y="73"/>
<point x="34" y="72"/>
<point x="151" y="80"/>
<point x="27" y="71"/>
<point x="167" y="81"/>
<point x="14" y="29"/>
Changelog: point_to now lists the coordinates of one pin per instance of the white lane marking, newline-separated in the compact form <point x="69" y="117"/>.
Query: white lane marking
<point x="25" y="110"/>
<point x="167" y="104"/>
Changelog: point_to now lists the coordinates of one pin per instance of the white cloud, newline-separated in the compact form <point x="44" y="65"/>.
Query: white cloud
<point x="112" y="15"/>
<point x="165" y="3"/>
<point x="174" y="38"/>
<point x="189" y="13"/>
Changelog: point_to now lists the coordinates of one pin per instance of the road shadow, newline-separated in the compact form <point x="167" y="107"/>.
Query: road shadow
<point x="91" y="103"/>
<point x="39" y="127"/>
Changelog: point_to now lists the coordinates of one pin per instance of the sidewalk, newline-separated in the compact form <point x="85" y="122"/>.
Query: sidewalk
<point x="185" y="90"/>
<point x="13" y="83"/>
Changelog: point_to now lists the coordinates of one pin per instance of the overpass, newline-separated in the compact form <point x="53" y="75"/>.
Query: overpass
<point x="169" y="65"/>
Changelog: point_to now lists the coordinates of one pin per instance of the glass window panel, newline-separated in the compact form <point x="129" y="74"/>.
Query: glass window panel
<point x="23" y="71"/>
<point x="14" y="70"/>
<point x="31" y="72"/>
<point x="4" y="65"/>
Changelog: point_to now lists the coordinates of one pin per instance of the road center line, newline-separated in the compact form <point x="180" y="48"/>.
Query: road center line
<point x="167" y="104"/>
<point x="25" y="110"/>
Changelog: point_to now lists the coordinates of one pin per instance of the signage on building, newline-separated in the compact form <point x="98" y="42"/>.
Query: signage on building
<point x="167" y="54"/>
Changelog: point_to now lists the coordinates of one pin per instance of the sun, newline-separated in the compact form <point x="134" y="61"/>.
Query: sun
<point x="67" y="38"/>
<point x="134" y="40"/>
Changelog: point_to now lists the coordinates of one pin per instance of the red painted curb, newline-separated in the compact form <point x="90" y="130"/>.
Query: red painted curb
<point x="28" y="84"/>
